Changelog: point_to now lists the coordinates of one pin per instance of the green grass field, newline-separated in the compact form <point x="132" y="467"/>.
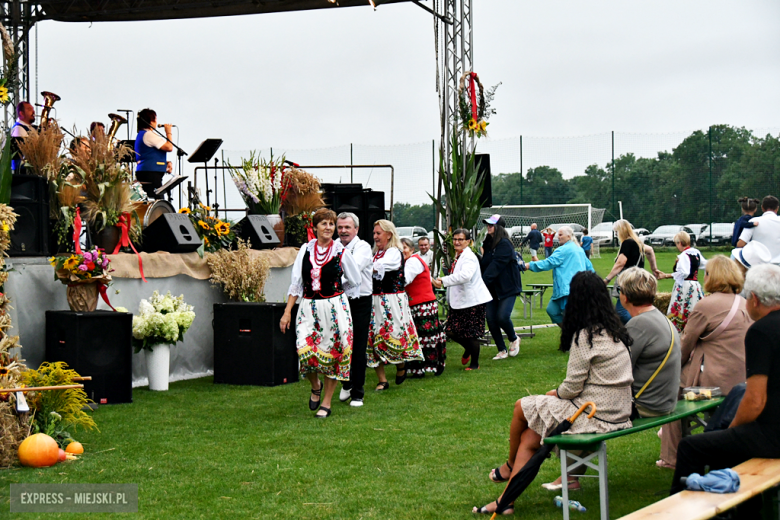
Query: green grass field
<point x="421" y="450"/>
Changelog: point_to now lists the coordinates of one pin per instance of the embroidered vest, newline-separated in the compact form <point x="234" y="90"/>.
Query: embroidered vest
<point x="330" y="278"/>
<point x="392" y="283"/>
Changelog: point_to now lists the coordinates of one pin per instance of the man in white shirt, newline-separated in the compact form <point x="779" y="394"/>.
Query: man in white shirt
<point x="25" y="113"/>
<point x="767" y="229"/>
<point x="425" y="251"/>
<point x="347" y="226"/>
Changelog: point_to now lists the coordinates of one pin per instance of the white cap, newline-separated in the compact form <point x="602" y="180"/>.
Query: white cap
<point x="753" y="254"/>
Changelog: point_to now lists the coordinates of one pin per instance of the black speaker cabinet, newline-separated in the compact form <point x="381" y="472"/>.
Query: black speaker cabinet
<point x="343" y="197"/>
<point x="249" y="348"/>
<point x="259" y="231"/>
<point x="482" y="164"/>
<point x="374" y="209"/>
<point x="97" y="344"/>
<point x="30" y="200"/>
<point x="172" y="232"/>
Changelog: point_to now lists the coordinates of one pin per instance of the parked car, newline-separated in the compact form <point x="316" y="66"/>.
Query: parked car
<point x="602" y="234"/>
<point x="412" y="232"/>
<point x="641" y="232"/>
<point x="721" y="234"/>
<point x="577" y="232"/>
<point x="517" y="234"/>
<point x="697" y="229"/>
<point x="664" y="235"/>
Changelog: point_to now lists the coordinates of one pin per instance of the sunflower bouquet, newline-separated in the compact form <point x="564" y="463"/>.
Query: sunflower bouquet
<point x="87" y="267"/>
<point x="216" y="234"/>
<point x="474" y="104"/>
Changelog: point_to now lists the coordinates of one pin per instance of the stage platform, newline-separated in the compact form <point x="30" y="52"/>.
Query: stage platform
<point x="33" y="291"/>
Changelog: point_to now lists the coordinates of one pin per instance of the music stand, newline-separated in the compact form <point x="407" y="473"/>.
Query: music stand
<point x="203" y="153"/>
<point x="166" y="188"/>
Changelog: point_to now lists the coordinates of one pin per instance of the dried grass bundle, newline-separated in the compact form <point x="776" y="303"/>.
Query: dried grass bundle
<point x="13" y="430"/>
<point x="241" y="273"/>
<point x="661" y="301"/>
<point x="303" y="193"/>
<point x="41" y="150"/>
<point x="7" y="223"/>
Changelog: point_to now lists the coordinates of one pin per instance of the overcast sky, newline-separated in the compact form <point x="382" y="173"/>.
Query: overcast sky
<point x="330" y="77"/>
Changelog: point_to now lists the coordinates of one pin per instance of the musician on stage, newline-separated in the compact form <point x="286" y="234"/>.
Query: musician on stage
<point x="24" y="123"/>
<point x="96" y="127"/>
<point x="151" y="149"/>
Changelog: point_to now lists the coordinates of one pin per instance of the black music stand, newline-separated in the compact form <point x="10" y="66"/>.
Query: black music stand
<point x="167" y="188"/>
<point x="203" y="153"/>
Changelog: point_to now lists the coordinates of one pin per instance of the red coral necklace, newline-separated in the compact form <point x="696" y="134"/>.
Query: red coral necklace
<point x="319" y="260"/>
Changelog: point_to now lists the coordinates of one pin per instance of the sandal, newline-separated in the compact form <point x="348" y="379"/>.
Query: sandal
<point x="495" y="474"/>
<point x="484" y="510"/>
<point x="313" y="405"/>
<point x="400" y="379"/>
<point x="382" y="386"/>
<point x="327" y="413"/>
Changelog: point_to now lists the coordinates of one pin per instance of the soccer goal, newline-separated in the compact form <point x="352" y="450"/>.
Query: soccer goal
<point x="519" y="219"/>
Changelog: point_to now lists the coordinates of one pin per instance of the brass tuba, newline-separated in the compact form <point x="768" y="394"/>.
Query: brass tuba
<point x="50" y="98"/>
<point x="116" y="122"/>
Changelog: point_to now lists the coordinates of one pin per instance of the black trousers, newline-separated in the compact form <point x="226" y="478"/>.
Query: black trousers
<point x="150" y="181"/>
<point x="726" y="449"/>
<point x="361" y="321"/>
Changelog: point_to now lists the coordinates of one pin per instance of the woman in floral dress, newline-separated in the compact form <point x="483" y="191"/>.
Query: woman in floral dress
<point x="323" y="327"/>
<point x="425" y="312"/>
<point x="393" y="337"/>
<point x="687" y="290"/>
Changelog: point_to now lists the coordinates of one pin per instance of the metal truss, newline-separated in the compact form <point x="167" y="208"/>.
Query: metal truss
<point x="18" y="17"/>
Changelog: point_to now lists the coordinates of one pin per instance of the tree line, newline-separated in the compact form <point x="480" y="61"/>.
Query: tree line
<point x="699" y="181"/>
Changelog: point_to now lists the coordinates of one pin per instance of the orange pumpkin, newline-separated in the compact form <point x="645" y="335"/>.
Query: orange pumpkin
<point x="39" y="451"/>
<point x="75" y="447"/>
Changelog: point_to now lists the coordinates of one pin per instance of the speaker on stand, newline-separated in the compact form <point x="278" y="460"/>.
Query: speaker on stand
<point x="259" y="231"/>
<point x="97" y="344"/>
<point x="482" y="164"/>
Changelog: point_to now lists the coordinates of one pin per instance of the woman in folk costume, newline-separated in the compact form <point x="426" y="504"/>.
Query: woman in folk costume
<point x="323" y="327"/>
<point x="687" y="290"/>
<point x="425" y="312"/>
<point x="393" y="337"/>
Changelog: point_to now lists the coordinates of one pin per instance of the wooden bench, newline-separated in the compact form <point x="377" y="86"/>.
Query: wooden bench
<point x="756" y="476"/>
<point x="596" y="444"/>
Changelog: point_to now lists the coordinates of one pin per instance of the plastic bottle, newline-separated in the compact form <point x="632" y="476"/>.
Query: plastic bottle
<point x="573" y="504"/>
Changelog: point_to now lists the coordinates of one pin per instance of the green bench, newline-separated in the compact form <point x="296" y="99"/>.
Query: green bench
<point x="596" y="443"/>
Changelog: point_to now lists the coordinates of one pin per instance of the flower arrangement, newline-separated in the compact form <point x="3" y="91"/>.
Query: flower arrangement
<point x="262" y="184"/>
<point x="87" y="267"/>
<point x="296" y="227"/>
<point x="241" y="273"/>
<point x="474" y="109"/>
<point x="161" y="320"/>
<point x="216" y="234"/>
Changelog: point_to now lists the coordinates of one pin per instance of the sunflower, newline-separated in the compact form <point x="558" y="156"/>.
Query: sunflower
<point x="4" y="370"/>
<point x="204" y="225"/>
<point x="472" y="124"/>
<point x="483" y="125"/>
<point x="207" y="208"/>
<point x="185" y="210"/>
<point x="3" y="95"/>
<point x="206" y="241"/>
<point x="222" y="228"/>
<point x="72" y="262"/>
<point x="53" y="260"/>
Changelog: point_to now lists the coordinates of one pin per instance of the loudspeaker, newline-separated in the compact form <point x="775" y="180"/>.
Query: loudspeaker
<point x="482" y="164"/>
<point x="30" y="200"/>
<point x="97" y="344"/>
<point x="171" y="232"/>
<point x="249" y="348"/>
<point x="343" y="197"/>
<point x="374" y="204"/>
<point x="259" y="231"/>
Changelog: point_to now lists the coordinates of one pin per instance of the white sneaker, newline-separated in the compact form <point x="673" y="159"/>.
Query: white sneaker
<point x="356" y="402"/>
<point x="514" y="347"/>
<point x="501" y="355"/>
<point x="344" y="395"/>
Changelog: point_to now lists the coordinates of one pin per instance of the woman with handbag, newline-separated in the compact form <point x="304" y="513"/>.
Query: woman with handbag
<point x="713" y="343"/>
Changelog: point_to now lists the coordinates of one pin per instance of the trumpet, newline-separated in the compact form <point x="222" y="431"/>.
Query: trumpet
<point x="50" y="98"/>
<point x="116" y="122"/>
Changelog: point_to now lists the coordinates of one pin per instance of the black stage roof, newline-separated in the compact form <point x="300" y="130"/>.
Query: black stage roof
<point x="135" y="10"/>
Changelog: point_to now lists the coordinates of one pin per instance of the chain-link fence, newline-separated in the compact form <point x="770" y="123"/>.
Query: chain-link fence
<point x="676" y="178"/>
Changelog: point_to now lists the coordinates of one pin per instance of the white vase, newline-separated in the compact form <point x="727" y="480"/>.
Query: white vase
<point x="158" y="362"/>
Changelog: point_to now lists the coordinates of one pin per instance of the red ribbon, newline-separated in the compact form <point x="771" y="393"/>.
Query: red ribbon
<point x="77" y="231"/>
<point x="473" y="88"/>
<point x="102" y="288"/>
<point x="124" y="225"/>
<point x="310" y="233"/>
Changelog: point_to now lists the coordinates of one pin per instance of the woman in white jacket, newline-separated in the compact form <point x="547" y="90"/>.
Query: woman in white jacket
<point x="466" y="296"/>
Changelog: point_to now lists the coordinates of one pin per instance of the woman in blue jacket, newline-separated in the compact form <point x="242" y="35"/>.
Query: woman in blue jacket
<point x="501" y="275"/>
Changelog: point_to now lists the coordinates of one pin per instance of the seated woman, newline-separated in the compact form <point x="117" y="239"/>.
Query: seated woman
<point x="716" y="333"/>
<point x="599" y="370"/>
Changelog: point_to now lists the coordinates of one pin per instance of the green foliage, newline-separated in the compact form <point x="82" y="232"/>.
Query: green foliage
<point x="56" y="410"/>
<point x="408" y="215"/>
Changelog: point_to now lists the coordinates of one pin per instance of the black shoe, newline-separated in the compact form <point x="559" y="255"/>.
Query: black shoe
<point x="327" y="413"/>
<point x="313" y="405"/>
<point x="382" y="386"/>
<point x="400" y="379"/>
<point x="439" y="370"/>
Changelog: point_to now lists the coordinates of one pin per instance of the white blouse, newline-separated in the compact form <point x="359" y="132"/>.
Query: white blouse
<point x="412" y="268"/>
<point x="683" y="269"/>
<point x="390" y="261"/>
<point x="350" y="281"/>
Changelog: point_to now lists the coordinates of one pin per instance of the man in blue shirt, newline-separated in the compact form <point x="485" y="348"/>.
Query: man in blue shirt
<point x="534" y="239"/>
<point x="566" y="261"/>
<point x="587" y="242"/>
<point x="151" y="149"/>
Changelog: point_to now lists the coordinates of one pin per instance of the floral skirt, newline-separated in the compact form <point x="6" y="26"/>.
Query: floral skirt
<point x="433" y="342"/>
<point x="393" y="336"/>
<point x="684" y="298"/>
<point x="467" y="323"/>
<point x="324" y="337"/>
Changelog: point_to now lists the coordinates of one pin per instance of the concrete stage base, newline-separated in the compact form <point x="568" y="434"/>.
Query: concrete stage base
<point x="33" y="291"/>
